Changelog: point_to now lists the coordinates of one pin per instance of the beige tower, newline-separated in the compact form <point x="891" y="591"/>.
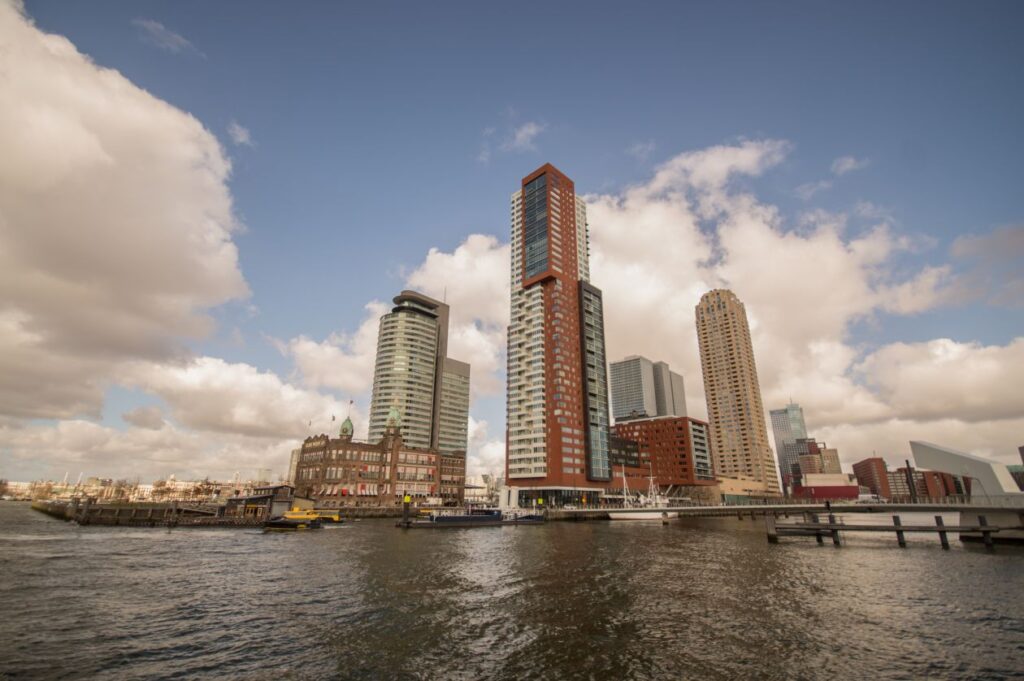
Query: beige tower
<point x="738" y="435"/>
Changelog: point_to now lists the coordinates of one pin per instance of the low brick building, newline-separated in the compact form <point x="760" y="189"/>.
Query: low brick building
<point x="678" y="449"/>
<point x="340" y="472"/>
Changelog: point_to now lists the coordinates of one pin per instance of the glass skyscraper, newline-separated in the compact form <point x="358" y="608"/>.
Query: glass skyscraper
<point x="788" y="426"/>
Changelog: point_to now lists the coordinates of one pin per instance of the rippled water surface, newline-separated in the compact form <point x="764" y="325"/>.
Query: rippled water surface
<point x="697" y="599"/>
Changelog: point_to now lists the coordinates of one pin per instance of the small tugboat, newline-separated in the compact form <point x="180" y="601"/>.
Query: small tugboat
<point x="283" y="524"/>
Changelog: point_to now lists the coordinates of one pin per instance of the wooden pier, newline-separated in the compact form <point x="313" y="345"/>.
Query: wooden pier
<point x="813" y="527"/>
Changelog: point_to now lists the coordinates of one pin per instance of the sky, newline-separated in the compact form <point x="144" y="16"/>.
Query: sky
<point x="206" y="207"/>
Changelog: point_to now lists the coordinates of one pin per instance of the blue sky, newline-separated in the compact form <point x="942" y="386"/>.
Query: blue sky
<point x="382" y="130"/>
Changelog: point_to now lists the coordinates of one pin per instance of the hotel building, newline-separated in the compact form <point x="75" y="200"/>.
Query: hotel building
<point x="339" y="472"/>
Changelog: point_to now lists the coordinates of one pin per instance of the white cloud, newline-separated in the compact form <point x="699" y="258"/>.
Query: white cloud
<point x="945" y="379"/>
<point x="808" y="190"/>
<point x="523" y="136"/>
<point x="995" y="265"/>
<point x="116" y="226"/>
<point x="73" y="446"/>
<point x="342" y="361"/>
<point x="239" y="135"/>
<point x="145" y="417"/>
<point x="485" y="455"/>
<point x="157" y="34"/>
<point x="846" y="164"/>
<point x="211" y="395"/>
<point x="641" y="151"/>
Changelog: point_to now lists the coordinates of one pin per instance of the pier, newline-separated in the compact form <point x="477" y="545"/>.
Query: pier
<point x="813" y="527"/>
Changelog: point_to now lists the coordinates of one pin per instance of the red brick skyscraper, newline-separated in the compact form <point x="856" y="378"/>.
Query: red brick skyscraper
<point x="557" y="432"/>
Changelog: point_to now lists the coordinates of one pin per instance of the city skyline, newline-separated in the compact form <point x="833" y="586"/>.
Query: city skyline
<point x="195" y="320"/>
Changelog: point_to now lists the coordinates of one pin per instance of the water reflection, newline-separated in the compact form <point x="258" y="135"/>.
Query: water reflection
<point x="700" y="599"/>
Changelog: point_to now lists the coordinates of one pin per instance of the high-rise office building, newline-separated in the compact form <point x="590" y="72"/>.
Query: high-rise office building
<point x="788" y="426"/>
<point x="557" y="418"/>
<point x="645" y="389"/>
<point x="414" y="375"/>
<point x="454" y="416"/>
<point x="739" y="438"/>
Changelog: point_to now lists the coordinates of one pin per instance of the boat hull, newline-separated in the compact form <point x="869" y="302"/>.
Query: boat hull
<point x="637" y="515"/>
<point x="475" y="520"/>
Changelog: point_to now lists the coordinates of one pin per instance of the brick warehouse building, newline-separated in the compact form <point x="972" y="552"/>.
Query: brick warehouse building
<point x="339" y="472"/>
<point x="678" y="449"/>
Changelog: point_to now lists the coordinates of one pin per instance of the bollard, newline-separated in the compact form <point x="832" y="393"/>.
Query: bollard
<point x="899" y="533"/>
<point x="406" y="502"/>
<point x="942" y="533"/>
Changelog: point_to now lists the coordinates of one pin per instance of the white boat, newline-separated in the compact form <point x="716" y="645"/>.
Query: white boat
<point x="645" y="506"/>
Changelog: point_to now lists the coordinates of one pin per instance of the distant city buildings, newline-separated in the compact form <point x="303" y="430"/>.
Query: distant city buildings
<point x="788" y="426"/>
<point x="815" y="457"/>
<point x="872" y="473"/>
<point x="641" y="388"/>
<point x="739" y="438"/>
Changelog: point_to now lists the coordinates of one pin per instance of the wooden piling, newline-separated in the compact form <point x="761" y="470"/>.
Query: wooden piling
<point x="769" y="524"/>
<point x="835" y="532"/>
<point x="817" y="535"/>
<point x="986" y="535"/>
<point x="942" y="533"/>
<point x="900" y="537"/>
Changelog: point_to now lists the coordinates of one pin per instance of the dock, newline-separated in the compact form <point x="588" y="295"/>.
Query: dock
<point x="813" y="527"/>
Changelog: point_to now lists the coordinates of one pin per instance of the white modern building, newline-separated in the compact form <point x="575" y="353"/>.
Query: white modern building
<point x="414" y="375"/>
<point x="988" y="478"/>
<point x="644" y="389"/>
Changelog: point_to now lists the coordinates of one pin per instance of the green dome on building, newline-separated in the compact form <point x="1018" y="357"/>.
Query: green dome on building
<point x="346" y="428"/>
<point x="394" y="417"/>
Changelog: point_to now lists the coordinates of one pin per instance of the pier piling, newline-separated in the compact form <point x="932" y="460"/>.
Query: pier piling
<point x="942" y="533"/>
<point x="986" y="535"/>
<point x="900" y="537"/>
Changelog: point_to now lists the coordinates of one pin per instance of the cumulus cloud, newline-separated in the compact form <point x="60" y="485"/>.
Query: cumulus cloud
<point x="485" y="454"/>
<point x="846" y="164"/>
<point x="146" y="454"/>
<point x="211" y="395"/>
<point x="145" y="417"/>
<point x="342" y="361"/>
<point x="523" y="136"/>
<point x="239" y="134"/>
<point x="116" y="225"/>
<point x="155" y="33"/>
<point x="995" y="265"/>
<point x="943" y="378"/>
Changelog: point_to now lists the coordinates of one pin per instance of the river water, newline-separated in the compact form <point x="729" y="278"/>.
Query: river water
<point x="696" y="599"/>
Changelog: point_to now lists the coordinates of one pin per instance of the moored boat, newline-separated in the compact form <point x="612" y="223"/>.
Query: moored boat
<point x="482" y="517"/>
<point x="325" y="516"/>
<point x="289" y="524"/>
